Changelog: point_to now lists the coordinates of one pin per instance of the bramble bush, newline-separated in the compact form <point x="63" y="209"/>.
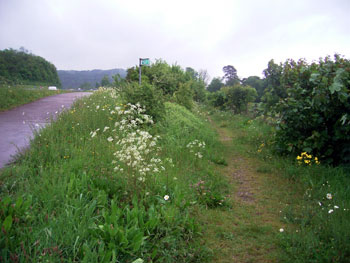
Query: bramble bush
<point x="314" y="117"/>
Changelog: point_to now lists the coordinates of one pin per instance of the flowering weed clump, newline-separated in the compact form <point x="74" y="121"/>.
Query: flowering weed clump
<point x="196" y="147"/>
<point x="307" y="159"/>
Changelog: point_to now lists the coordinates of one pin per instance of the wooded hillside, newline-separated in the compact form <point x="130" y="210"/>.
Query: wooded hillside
<point x="21" y="67"/>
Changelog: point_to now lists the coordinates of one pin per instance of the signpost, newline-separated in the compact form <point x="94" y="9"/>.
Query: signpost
<point x="143" y="62"/>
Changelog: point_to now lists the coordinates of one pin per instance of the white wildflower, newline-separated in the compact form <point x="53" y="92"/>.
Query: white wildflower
<point x="166" y="197"/>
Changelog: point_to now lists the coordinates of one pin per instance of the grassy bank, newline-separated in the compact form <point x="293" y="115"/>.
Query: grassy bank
<point x="13" y="96"/>
<point x="317" y="219"/>
<point x="104" y="183"/>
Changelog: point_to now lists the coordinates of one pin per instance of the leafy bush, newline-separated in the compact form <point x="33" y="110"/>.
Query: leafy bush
<point x="146" y="95"/>
<point x="217" y="99"/>
<point x="184" y="96"/>
<point x="314" y="117"/>
<point x="238" y="97"/>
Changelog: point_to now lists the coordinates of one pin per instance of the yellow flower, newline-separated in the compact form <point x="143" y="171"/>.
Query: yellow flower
<point x="299" y="158"/>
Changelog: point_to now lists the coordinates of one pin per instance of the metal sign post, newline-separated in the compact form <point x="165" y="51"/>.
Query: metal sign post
<point x="142" y="62"/>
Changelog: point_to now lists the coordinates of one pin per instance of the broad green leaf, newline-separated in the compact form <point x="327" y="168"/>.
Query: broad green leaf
<point x="307" y="149"/>
<point x="337" y="82"/>
<point x="139" y="260"/>
<point x="7" y="223"/>
<point x="137" y="241"/>
<point x="335" y="87"/>
<point x="19" y="202"/>
<point x="314" y="77"/>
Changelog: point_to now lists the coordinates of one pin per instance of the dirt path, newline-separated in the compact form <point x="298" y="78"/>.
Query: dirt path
<point x="17" y="125"/>
<point x="247" y="231"/>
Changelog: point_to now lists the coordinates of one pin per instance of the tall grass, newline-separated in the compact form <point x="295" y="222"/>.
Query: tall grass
<point x="71" y="198"/>
<point x="321" y="217"/>
<point x="13" y="96"/>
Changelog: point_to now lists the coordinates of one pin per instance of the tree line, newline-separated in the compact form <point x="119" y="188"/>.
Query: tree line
<point x="308" y="103"/>
<point x="22" y="67"/>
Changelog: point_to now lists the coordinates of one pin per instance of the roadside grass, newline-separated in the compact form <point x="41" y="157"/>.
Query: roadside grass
<point x="71" y="198"/>
<point x="13" y="96"/>
<point x="317" y="219"/>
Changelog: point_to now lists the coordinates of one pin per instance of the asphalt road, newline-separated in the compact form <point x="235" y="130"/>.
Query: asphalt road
<point x="17" y="125"/>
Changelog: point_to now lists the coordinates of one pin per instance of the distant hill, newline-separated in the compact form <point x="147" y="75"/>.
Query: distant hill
<point x="22" y="67"/>
<point x="73" y="79"/>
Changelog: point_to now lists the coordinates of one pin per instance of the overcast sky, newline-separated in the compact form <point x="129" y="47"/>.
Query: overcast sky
<point x="105" y="34"/>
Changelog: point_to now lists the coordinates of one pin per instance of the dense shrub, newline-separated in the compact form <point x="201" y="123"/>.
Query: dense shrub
<point x="234" y="98"/>
<point x="314" y="117"/>
<point x="217" y="99"/>
<point x="146" y="95"/>
<point x="238" y="97"/>
<point x="184" y="96"/>
<point x="169" y="79"/>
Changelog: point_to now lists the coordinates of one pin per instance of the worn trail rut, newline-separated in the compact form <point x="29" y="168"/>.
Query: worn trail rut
<point x="247" y="231"/>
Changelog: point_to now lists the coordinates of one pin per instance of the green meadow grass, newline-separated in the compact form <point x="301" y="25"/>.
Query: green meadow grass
<point x="320" y="217"/>
<point x="65" y="201"/>
<point x="13" y="96"/>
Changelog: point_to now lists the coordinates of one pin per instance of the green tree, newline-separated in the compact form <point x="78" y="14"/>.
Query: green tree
<point x="230" y="75"/>
<point x="256" y="83"/>
<point x="20" y="67"/>
<point x="238" y="97"/>
<point x="119" y="81"/>
<point x="105" y="81"/>
<point x="218" y="99"/>
<point x="184" y="95"/>
<point x="191" y="73"/>
<point x="215" y="85"/>
<point x="274" y="90"/>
